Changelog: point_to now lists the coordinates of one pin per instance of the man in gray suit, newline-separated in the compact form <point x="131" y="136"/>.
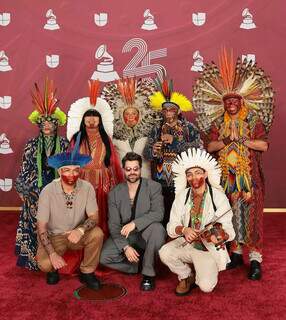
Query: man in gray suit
<point x="135" y="213"/>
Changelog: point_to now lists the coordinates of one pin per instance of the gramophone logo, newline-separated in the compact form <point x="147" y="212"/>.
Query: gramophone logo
<point x="101" y="19"/>
<point x="5" y="144"/>
<point x="198" y="63"/>
<point x="4" y="62"/>
<point x="51" y="21"/>
<point x="247" y="22"/>
<point x="53" y="60"/>
<point x="5" y="102"/>
<point x="199" y="18"/>
<point x="149" y="22"/>
<point x="104" y="70"/>
<point x="5" y="19"/>
<point x="6" y="184"/>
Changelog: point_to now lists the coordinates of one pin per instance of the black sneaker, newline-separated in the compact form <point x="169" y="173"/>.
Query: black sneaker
<point x="90" y="280"/>
<point x="255" y="270"/>
<point x="236" y="261"/>
<point x="147" y="283"/>
<point x="53" y="277"/>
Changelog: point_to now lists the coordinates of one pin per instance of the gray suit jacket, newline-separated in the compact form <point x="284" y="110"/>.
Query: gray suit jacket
<point x="149" y="209"/>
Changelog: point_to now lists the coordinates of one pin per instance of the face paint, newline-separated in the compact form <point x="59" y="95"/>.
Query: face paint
<point x="70" y="180"/>
<point x="131" y="116"/>
<point x="48" y="126"/>
<point x="197" y="183"/>
<point x="232" y="105"/>
<point x="91" y="122"/>
<point x="170" y="114"/>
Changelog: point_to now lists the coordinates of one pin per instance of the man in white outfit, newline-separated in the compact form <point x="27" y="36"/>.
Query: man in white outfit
<point x="199" y="200"/>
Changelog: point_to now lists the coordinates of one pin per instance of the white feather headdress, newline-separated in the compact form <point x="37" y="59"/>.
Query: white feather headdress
<point x="195" y="158"/>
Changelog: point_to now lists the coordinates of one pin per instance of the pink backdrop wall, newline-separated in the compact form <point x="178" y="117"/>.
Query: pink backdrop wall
<point x="26" y="43"/>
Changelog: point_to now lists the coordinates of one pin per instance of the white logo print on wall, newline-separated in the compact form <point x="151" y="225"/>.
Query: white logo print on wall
<point x="247" y="22"/>
<point x="199" y="18"/>
<point x="104" y="70"/>
<point x="101" y="19"/>
<point x="51" y="21"/>
<point x="6" y="184"/>
<point x="52" y="61"/>
<point x="5" y="144"/>
<point x="5" y="102"/>
<point x="4" y="62"/>
<point x="144" y="57"/>
<point x="149" y="23"/>
<point x="198" y="63"/>
<point x="5" y="19"/>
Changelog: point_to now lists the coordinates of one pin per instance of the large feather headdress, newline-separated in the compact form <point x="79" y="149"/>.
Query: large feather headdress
<point x="195" y="158"/>
<point x="46" y="104"/>
<point x="79" y="107"/>
<point x="166" y="95"/>
<point x="241" y="78"/>
<point x="126" y="93"/>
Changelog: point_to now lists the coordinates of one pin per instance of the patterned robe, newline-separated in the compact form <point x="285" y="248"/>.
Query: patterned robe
<point x="243" y="180"/>
<point x="27" y="186"/>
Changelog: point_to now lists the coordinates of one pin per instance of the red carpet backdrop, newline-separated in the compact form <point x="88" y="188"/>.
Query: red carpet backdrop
<point x="72" y="41"/>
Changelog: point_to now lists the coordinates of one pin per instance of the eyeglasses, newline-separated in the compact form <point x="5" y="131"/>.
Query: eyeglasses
<point x="135" y="169"/>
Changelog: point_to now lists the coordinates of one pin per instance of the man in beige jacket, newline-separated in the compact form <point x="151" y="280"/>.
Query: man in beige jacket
<point x="200" y="200"/>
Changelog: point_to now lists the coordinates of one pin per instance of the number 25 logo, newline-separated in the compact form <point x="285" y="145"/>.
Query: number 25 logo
<point x="144" y="57"/>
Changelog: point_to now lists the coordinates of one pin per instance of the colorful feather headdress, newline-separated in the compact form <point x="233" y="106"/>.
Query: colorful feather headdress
<point x="93" y="102"/>
<point x="73" y="158"/>
<point x="195" y="158"/>
<point x="126" y="93"/>
<point x="166" y="96"/>
<point x="232" y="79"/>
<point x="46" y="105"/>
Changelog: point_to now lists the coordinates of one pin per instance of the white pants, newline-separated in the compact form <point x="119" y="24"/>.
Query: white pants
<point x="177" y="258"/>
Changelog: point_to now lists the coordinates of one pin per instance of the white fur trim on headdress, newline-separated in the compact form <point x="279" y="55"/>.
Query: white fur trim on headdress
<point x="78" y="109"/>
<point x="195" y="158"/>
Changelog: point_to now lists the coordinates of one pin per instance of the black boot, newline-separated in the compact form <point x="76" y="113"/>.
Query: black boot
<point x="90" y="280"/>
<point x="53" y="277"/>
<point x="236" y="261"/>
<point x="255" y="270"/>
<point x="147" y="283"/>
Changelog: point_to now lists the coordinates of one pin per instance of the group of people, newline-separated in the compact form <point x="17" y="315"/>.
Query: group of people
<point x="78" y="196"/>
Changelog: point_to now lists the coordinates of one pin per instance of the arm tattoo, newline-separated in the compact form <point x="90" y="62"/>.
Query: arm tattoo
<point x="46" y="242"/>
<point x="89" y="224"/>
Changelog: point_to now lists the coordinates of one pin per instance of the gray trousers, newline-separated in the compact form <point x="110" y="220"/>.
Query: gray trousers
<point x="147" y="242"/>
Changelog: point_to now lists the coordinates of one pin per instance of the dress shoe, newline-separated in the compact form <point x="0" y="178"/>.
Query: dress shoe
<point x="53" y="277"/>
<point x="255" y="270"/>
<point x="90" y="280"/>
<point x="147" y="283"/>
<point x="185" y="285"/>
<point x="236" y="261"/>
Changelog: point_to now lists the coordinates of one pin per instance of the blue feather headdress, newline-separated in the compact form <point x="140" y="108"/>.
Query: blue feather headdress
<point x="73" y="158"/>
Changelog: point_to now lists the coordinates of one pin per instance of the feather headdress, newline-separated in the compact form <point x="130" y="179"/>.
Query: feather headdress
<point x="232" y="79"/>
<point x="126" y="93"/>
<point x="166" y="96"/>
<point x="195" y="158"/>
<point x="46" y="104"/>
<point x="92" y="102"/>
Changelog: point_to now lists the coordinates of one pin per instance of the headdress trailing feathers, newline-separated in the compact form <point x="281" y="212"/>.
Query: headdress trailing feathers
<point x="126" y="93"/>
<point x="166" y="95"/>
<point x="241" y="79"/>
<point x="73" y="158"/>
<point x="195" y="158"/>
<point x="92" y="102"/>
<point x="46" y="105"/>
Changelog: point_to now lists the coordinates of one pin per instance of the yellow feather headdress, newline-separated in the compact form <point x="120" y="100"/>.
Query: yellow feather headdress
<point x="166" y="95"/>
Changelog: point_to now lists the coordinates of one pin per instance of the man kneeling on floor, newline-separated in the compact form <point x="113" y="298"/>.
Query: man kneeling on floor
<point x="66" y="220"/>
<point x="135" y="212"/>
<point x="199" y="201"/>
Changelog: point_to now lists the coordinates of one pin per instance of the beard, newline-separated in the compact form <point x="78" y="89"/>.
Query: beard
<point x="132" y="178"/>
<point x="71" y="181"/>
